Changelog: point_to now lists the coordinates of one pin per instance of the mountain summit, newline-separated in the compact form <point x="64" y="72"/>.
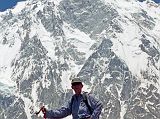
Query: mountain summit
<point x="112" y="45"/>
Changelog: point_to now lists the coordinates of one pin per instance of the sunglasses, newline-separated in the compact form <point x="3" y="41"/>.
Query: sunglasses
<point x="76" y="83"/>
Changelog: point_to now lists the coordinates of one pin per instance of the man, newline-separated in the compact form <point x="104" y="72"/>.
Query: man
<point x="77" y="106"/>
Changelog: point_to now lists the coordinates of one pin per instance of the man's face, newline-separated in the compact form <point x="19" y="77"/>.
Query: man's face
<point x="77" y="87"/>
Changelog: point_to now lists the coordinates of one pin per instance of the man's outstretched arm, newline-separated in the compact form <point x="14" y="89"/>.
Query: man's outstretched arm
<point x="58" y="113"/>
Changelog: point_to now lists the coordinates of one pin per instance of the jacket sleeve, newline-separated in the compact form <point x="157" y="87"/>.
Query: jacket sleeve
<point x="59" y="113"/>
<point x="96" y="106"/>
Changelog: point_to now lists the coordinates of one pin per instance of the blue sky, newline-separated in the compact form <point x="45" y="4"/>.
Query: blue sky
<point x="157" y="1"/>
<point x="5" y="4"/>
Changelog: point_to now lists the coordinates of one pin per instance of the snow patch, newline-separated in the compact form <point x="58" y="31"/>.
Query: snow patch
<point x="126" y="46"/>
<point x="20" y="5"/>
<point x="66" y="83"/>
<point x="81" y="40"/>
<point x="7" y="55"/>
<point x="27" y="105"/>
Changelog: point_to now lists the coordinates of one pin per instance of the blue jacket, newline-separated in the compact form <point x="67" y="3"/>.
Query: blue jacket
<point x="78" y="108"/>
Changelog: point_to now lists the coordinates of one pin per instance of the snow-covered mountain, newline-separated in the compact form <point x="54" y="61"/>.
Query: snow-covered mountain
<point x="113" y="45"/>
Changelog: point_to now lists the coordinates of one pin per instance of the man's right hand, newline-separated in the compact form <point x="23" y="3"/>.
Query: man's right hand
<point x="43" y="109"/>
